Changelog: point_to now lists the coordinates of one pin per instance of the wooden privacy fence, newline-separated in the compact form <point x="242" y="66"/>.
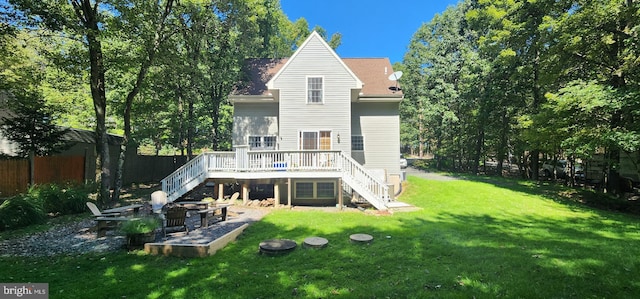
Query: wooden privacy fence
<point x="14" y="177"/>
<point x="14" y="174"/>
<point x="58" y="169"/>
<point x="145" y="169"/>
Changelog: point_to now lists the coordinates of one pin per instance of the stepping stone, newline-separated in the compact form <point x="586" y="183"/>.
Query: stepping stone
<point x="361" y="238"/>
<point x="277" y="246"/>
<point x="315" y="242"/>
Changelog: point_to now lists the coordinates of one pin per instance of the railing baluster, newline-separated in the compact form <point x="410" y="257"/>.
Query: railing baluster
<point x="243" y="160"/>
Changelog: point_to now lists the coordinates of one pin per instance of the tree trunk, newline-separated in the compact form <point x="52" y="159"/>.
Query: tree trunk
<point x="480" y="123"/>
<point x="98" y="94"/>
<point x="216" y="99"/>
<point x="190" y="131"/>
<point x="420" y="135"/>
<point x="144" y="68"/>
<point x="478" y="151"/>
<point x="535" y="164"/>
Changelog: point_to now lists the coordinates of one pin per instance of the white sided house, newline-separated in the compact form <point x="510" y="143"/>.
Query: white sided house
<point x="313" y="129"/>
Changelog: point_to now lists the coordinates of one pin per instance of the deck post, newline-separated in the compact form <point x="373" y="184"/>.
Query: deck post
<point x="220" y="191"/>
<point x="276" y="194"/>
<point x="340" y="199"/>
<point x="289" y="192"/>
<point x="245" y="193"/>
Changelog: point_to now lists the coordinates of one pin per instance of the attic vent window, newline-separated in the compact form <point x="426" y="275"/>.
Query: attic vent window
<point x="314" y="90"/>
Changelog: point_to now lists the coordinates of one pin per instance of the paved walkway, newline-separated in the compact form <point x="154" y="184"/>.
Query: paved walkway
<point x="428" y="175"/>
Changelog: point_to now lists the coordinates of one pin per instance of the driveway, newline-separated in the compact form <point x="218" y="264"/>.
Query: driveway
<point x="428" y="175"/>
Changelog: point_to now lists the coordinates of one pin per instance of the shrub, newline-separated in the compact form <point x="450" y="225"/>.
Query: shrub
<point x="21" y="211"/>
<point x="61" y="200"/>
<point x="143" y="225"/>
<point x="422" y="164"/>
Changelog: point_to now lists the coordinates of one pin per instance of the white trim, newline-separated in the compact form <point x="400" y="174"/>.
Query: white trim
<point x="252" y="99"/>
<point x="307" y="90"/>
<point x="262" y="142"/>
<point x="318" y="140"/>
<point x="315" y="34"/>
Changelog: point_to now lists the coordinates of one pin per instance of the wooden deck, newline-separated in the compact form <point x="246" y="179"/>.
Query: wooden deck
<point x="255" y="165"/>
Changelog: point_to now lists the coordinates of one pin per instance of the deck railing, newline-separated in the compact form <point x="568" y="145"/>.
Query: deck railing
<point x="198" y="170"/>
<point x="291" y="160"/>
<point x="185" y="178"/>
<point x="368" y="186"/>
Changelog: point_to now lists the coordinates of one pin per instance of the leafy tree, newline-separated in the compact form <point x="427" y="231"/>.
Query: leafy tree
<point x="96" y="24"/>
<point x="513" y="41"/>
<point x="438" y="66"/>
<point x="147" y="25"/>
<point x="81" y="20"/>
<point x="31" y="125"/>
<point x="31" y="121"/>
<point x="598" y="41"/>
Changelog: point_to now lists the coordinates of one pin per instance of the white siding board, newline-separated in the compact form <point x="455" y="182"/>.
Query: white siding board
<point x="333" y="114"/>
<point x="254" y="119"/>
<point x="379" y="123"/>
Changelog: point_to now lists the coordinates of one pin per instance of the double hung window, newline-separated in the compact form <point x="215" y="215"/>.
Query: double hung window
<point x="262" y="142"/>
<point x="314" y="90"/>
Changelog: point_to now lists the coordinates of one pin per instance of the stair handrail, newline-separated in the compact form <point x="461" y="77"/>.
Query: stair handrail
<point x="192" y="170"/>
<point x="360" y="177"/>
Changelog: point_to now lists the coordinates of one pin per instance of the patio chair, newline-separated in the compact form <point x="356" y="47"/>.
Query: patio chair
<point x="158" y="200"/>
<point x="105" y="221"/>
<point x="175" y="217"/>
<point x="97" y="213"/>
<point x="234" y="197"/>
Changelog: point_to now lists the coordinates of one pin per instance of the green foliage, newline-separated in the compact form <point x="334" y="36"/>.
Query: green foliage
<point x="477" y="76"/>
<point x="443" y="91"/>
<point x="479" y="237"/>
<point x="576" y="119"/>
<point x="20" y="211"/>
<point x="142" y="225"/>
<point x="423" y="164"/>
<point x="179" y="74"/>
<point x="32" y="126"/>
<point x="61" y="199"/>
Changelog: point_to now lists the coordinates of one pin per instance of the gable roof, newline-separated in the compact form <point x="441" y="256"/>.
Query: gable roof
<point x="372" y="74"/>
<point x="313" y="36"/>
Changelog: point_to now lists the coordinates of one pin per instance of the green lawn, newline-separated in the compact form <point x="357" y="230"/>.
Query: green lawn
<point x="488" y="238"/>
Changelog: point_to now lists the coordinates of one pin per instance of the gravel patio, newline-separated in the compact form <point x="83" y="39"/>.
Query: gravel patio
<point x="80" y="238"/>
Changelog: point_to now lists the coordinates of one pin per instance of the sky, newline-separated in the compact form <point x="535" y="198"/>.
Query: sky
<point x="369" y="28"/>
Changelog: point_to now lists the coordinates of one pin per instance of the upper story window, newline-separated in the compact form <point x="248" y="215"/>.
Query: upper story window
<point x="314" y="90"/>
<point x="357" y="143"/>
<point x="262" y="142"/>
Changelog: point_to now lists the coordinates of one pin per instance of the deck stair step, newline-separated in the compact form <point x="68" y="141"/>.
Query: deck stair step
<point x="398" y="206"/>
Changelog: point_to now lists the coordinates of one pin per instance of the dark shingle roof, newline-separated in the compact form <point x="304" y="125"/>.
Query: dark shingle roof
<point x="373" y="72"/>
<point x="258" y="72"/>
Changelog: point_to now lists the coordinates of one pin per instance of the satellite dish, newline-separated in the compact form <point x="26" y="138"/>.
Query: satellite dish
<point x="395" y="76"/>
